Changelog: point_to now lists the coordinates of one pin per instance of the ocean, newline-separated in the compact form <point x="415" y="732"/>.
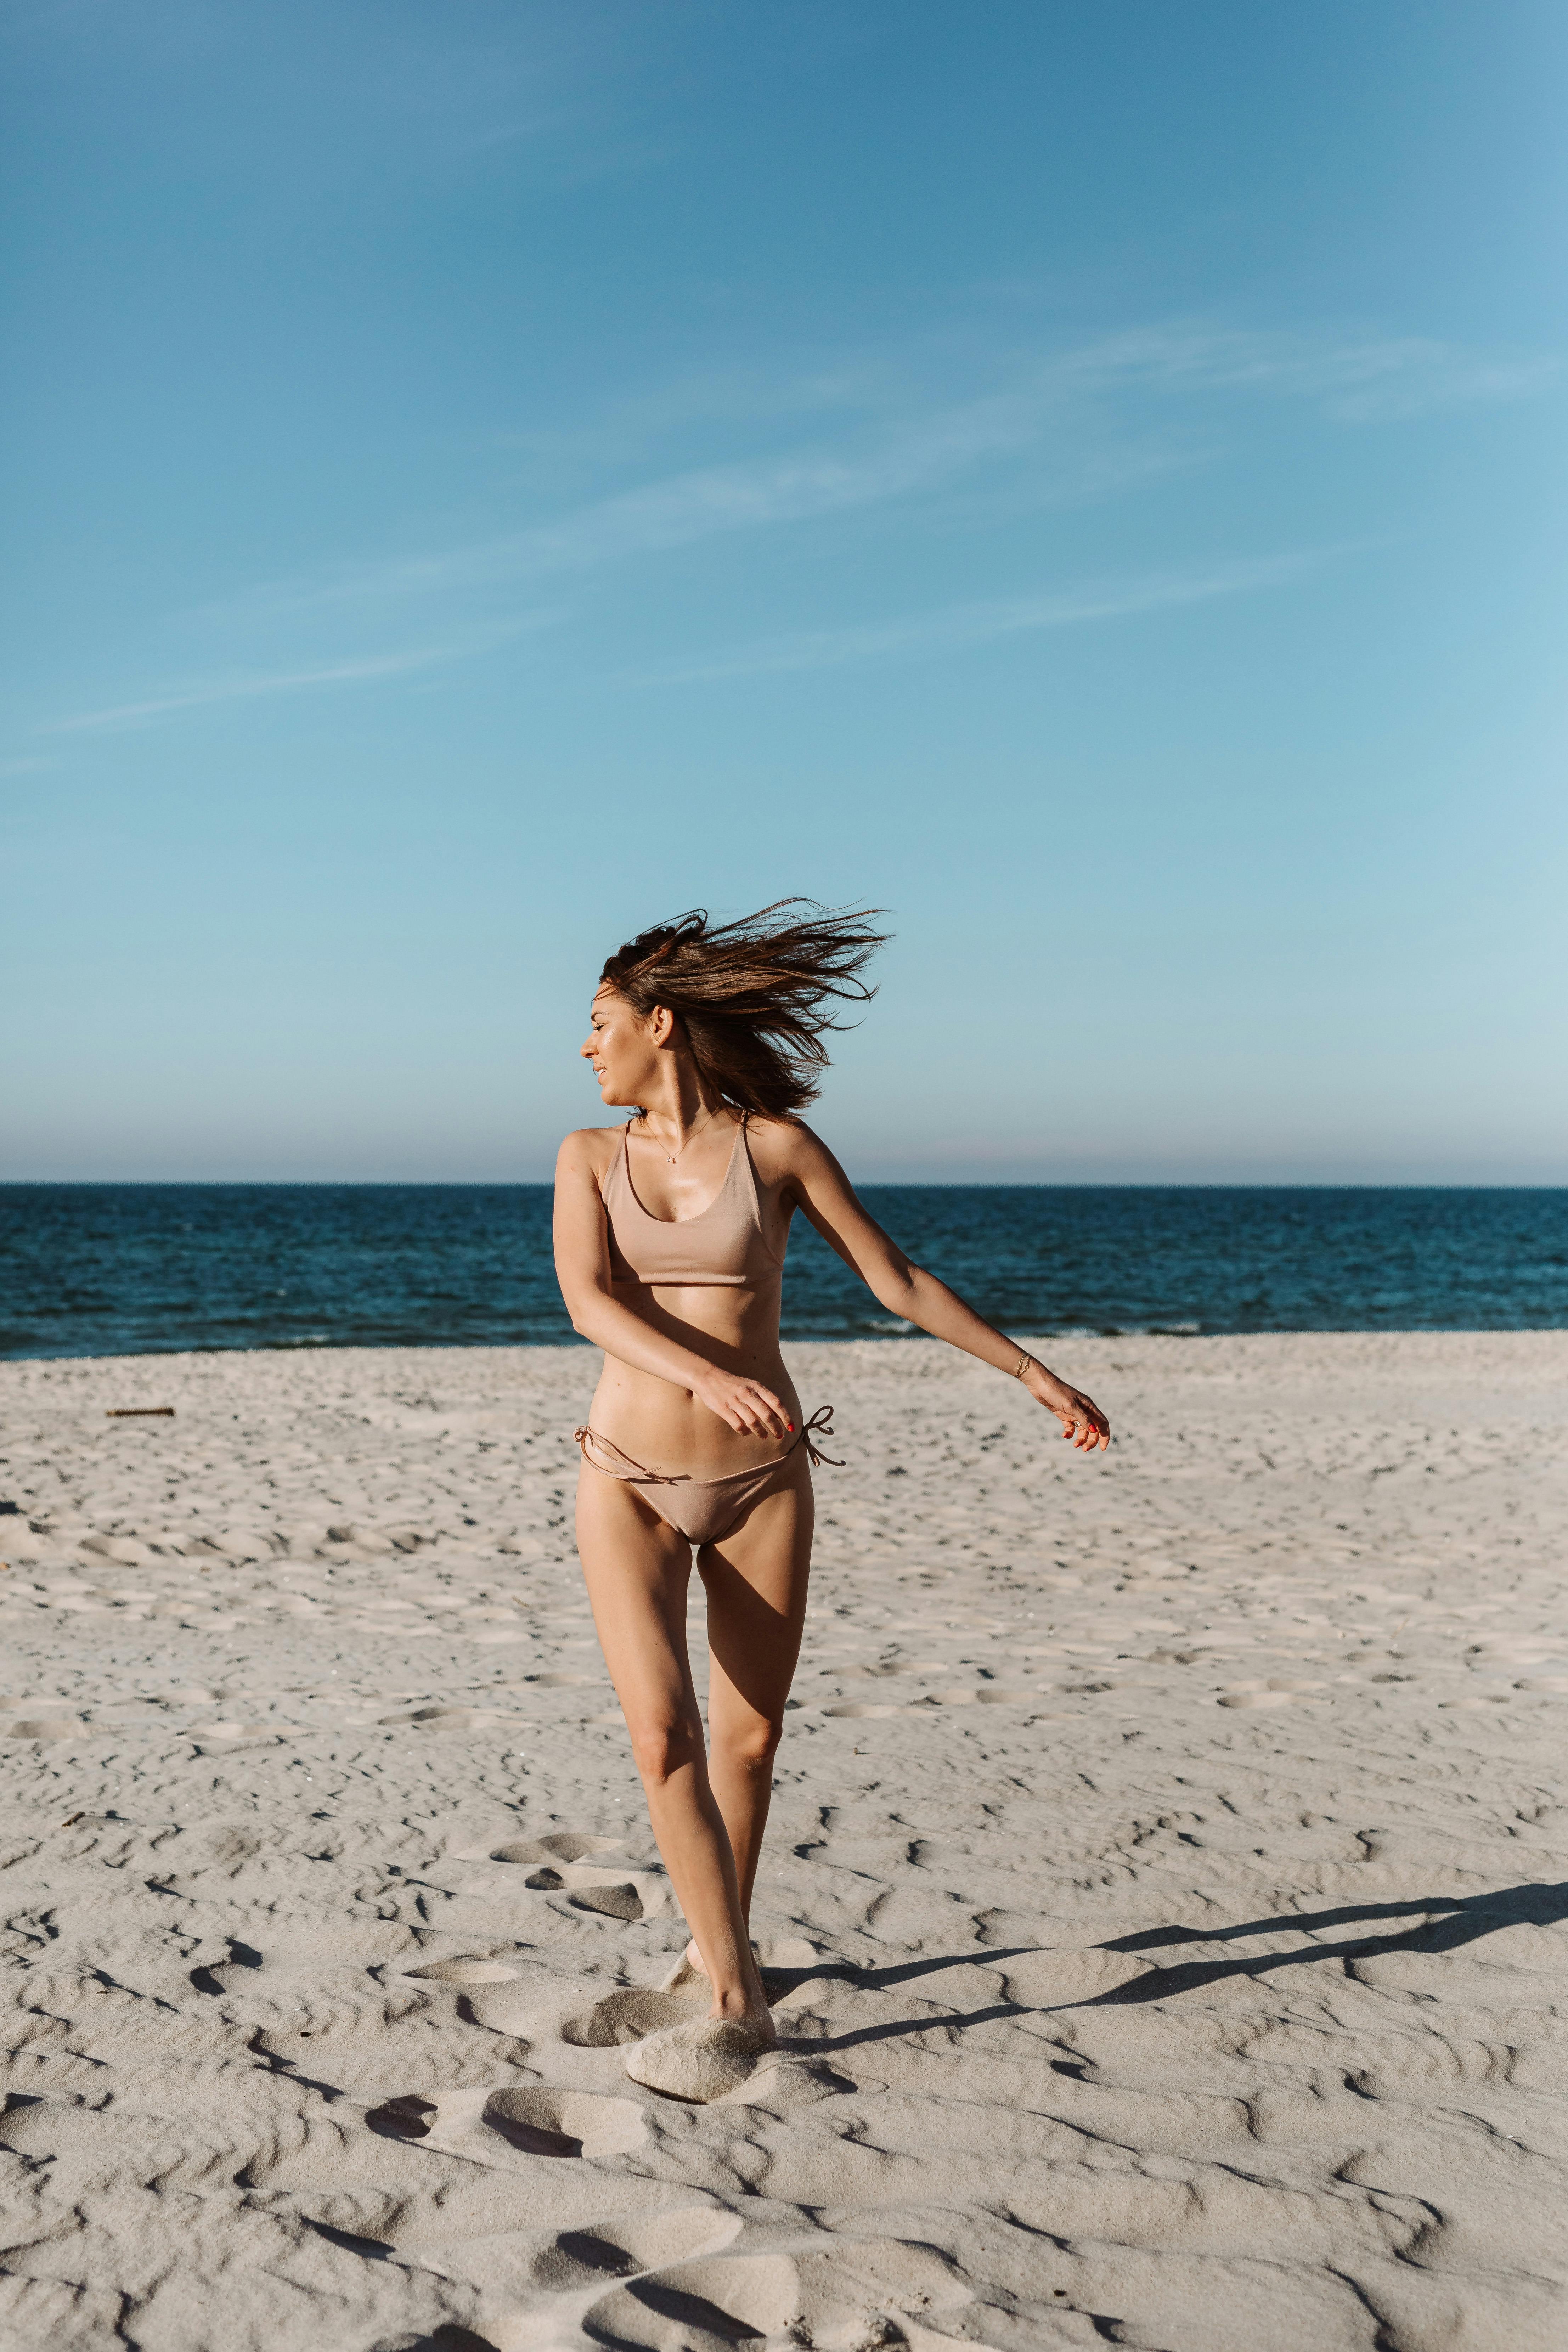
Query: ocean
<point x="127" y="1269"/>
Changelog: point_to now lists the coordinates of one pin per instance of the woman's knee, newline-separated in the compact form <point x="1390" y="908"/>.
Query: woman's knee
<point x="752" y="1744"/>
<point x="663" y="1746"/>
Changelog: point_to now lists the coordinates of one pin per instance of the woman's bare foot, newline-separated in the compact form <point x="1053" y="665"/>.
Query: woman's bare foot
<point x="690" y="1972"/>
<point x="690" y="1964"/>
<point x="688" y="1975"/>
<point x="737" y="2006"/>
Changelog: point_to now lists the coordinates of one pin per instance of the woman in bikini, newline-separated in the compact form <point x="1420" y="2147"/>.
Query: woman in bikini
<point x="669" y="1247"/>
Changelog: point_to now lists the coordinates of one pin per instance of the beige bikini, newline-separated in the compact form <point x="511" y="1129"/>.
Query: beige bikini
<point x="725" y="1245"/>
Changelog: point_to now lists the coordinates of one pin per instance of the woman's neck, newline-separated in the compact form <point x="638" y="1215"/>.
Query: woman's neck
<point x="678" y="1108"/>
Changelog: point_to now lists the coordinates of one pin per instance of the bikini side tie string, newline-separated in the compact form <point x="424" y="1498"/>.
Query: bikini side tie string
<point x="634" y="1469"/>
<point x="822" y="1422"/>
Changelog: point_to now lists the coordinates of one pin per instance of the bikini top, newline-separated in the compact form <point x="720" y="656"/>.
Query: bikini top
<point x="724" y="1244"/>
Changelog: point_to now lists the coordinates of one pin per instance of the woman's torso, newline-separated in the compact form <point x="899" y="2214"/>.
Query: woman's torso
<point x="708" y="1277"/>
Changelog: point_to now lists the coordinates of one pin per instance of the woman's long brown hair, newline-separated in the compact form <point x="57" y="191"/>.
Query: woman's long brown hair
<point x="754" y="997"/>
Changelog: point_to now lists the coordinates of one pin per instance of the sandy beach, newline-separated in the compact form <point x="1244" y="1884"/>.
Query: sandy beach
<point x="1167" y="1901"/>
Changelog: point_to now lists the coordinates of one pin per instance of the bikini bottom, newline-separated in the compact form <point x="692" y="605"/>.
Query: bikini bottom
<point x="706" y="1510"/>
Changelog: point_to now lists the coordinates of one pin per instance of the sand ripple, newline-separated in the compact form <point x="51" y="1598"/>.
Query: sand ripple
<point x="1166" y="1916"/>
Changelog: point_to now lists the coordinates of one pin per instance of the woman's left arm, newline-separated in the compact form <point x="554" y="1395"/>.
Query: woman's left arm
<point x="815" y="1181"/>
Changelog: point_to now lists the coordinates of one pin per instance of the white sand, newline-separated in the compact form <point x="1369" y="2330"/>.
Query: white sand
<point x="1166" y="1886"/>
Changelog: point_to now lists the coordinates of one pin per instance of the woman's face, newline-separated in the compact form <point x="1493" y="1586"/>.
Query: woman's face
<point x="621" y="1049"/>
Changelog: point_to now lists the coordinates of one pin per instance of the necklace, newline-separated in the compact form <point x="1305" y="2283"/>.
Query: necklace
<point x="673" y="1156"/>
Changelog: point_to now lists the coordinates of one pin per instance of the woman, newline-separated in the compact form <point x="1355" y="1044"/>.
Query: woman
<point x="669" y="1245"/>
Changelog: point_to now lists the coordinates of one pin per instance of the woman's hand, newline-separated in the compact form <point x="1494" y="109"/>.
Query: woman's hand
<point x="746" y="1405"/>
<point x="1080" y="1417"/>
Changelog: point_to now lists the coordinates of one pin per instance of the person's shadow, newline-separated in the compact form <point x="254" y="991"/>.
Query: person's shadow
<point x="1468" y="1918"/>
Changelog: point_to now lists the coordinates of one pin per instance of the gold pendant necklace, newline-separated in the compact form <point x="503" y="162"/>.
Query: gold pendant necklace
<point x="673" y="1156"/>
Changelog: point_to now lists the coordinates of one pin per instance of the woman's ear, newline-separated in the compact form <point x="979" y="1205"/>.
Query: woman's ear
<point x="661" y="1024"/>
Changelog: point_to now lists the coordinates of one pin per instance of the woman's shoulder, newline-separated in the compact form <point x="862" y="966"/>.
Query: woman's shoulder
<point x="780" y="1147"/>
<point x="591" y="1149"/>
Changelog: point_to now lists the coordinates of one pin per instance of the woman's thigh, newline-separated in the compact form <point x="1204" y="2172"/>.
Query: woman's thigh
<point x="756" y="1578"/>
<point x="637" y="1570"/>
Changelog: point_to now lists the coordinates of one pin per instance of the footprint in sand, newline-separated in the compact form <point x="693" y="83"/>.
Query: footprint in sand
<point x="988" y="1698"/>
<point x="560" y="1845"/>
<point x="533" y="2118"/>
<point x="406" y="2118"/>
<point x="587" y="1889"/>
<point x="464" y="1971"/>
<point x="618" y="1900"/>
<point x="43" y="1727"/>
<point x="566" y="2122"/>
<point x="860" y="2291"/>
<point x="895" y="1666"/>
<point x="1269" y="1693"/>
<point x="867" y="1709"/>
<point x="455" y="1718"/>
<point x="724" y="2299"/>
<point x="222" y="1739"/>
<point x="578" y="2258"/>
<point x="565" y="1682"/>
<point x="629" y="2014"/>
<point x="587" y="1886"/>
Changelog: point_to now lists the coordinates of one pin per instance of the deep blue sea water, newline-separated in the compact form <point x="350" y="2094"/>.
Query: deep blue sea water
<point x="113" y="1269"/>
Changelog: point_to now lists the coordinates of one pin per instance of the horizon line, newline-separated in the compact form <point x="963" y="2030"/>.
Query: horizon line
<point x="885" y="1183"/>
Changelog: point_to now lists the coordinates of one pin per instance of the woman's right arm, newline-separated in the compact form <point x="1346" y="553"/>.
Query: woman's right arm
<point x="582" y="1270"/>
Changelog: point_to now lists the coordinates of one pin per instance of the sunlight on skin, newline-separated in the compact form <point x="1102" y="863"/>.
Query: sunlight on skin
<point x="694" y="1387"/>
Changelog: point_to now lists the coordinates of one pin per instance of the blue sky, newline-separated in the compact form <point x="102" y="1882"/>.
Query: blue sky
<point x="1086" y="479"/>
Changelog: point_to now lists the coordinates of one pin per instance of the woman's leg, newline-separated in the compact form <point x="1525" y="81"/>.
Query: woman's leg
<point x="637" y="1570"/>
<point x="757" y="1579"/>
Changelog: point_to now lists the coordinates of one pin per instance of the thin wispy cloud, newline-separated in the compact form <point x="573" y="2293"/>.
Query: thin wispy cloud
<point x="1066" y="413"/>
<point x="1354" y="380"/>
<point x="957" y="627"/>
<point x="721" y="397"/>
<point x="365" y="669"/>
<point x="871" y="387"/>
<point x="890" y="433"/>
<point x="704" y="503"/>
<point x="239" y="689"/>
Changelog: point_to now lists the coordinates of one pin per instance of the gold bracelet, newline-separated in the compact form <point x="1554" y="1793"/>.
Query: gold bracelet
<point x="1022" y="1366"/>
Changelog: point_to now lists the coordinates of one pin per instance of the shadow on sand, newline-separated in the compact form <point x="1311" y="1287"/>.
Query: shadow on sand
<point x="1467" y="1919"/>
<point x="1470" y="1918"/>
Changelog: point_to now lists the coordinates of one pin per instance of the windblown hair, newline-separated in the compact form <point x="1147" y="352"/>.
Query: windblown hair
<point x="752" y="997"/>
